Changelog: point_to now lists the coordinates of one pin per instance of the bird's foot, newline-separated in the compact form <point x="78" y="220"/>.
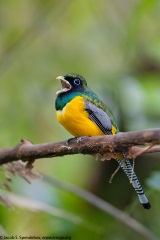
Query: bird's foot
<point x="79" y="139"/>
<point x="70" y="139"/>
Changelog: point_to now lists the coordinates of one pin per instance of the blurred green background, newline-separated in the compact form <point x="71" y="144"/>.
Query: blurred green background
<point x="115" y="45"/>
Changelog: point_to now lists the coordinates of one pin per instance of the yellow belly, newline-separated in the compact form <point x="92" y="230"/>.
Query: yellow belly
<point x="75" y="119"/>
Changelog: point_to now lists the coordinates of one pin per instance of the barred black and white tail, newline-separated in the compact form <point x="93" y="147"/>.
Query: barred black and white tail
<point x="127" y="168"/>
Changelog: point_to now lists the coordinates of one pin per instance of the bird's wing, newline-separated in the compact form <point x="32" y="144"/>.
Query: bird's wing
<point x="100" y="117"/>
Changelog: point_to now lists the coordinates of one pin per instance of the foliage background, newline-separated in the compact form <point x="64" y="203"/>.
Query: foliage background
<point x="116" y="46"/>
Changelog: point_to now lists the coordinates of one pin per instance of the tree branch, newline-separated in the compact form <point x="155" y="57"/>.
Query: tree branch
<point x="131" y="143"/>
<point x="103" y="205"/>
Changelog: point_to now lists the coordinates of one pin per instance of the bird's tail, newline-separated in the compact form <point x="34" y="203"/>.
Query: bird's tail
<point x="127" y="168"/>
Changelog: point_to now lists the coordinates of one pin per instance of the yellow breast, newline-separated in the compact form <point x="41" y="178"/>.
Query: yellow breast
<point x="75" y="119"/>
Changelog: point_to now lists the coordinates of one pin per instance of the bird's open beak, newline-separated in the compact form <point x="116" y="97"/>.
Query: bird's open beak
<point x="66" y="86"/>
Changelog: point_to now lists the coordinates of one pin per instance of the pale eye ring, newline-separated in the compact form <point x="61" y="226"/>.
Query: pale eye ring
<point x="77" y="81"/>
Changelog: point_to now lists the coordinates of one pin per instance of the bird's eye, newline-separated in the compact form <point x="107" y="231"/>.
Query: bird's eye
<point x="77" y="81"/>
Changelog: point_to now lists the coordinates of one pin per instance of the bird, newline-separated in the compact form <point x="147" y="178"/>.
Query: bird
<point x="81" y="112"/>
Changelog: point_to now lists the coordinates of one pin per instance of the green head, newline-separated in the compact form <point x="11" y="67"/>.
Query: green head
<point x="71" y="82"/>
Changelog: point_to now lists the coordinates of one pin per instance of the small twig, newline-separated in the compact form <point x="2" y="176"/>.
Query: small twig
<point x="29" y="164"/>
<point x="135" y="151"/>
<point x="117" y="169"/>
<point x="114" y="173"/>
<point x="104" y="206"/>
<point x="141" y="151"/>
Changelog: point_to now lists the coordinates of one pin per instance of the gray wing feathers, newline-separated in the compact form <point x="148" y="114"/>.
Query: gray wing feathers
<point x="100" y="117"/>
<point x="104" y="122"/>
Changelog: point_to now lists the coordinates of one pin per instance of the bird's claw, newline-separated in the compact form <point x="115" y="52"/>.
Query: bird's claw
<point x="79" y="139"/>
<point x="68" y="140"/>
